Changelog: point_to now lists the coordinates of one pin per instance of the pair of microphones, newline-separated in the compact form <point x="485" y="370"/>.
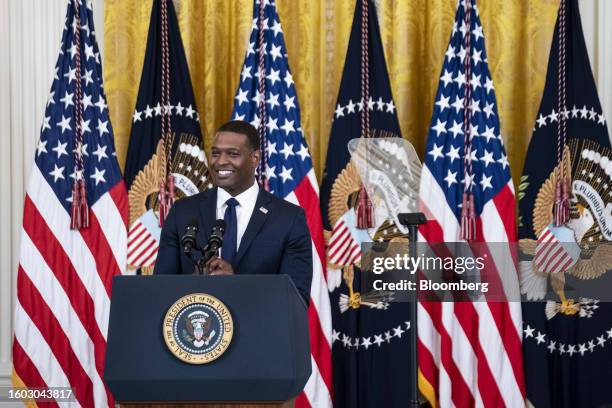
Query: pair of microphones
<point x="189" y="243"/>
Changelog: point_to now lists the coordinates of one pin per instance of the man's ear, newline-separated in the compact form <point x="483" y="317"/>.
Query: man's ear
<point x="256" y="157"/>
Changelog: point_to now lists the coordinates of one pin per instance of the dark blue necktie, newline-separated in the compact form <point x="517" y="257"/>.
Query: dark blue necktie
<point x="230" y="237"/>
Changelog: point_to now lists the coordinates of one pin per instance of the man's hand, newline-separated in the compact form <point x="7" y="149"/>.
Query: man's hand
<point x="218" y="266"/>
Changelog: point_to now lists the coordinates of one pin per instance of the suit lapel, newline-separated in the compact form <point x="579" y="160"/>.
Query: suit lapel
<point x="208" y="215"/>
<point x="255" y="223"/>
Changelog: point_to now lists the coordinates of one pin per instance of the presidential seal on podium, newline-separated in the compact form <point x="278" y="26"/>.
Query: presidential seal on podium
<point x="198" y="328"/>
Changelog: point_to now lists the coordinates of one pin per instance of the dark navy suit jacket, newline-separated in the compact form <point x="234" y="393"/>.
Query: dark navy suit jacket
<point x="276" y="240"/>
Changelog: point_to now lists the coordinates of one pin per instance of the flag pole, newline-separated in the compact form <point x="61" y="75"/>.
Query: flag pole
<point x="412" y="221"/>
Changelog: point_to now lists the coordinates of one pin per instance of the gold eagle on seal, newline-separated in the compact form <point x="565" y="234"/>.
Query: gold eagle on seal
<point x="589" y="225"/>
<point x="388" y="157"/>
<point x="191" y="175"/>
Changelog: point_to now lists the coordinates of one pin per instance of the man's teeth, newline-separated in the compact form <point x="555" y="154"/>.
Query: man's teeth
<point x="225" y="172"/>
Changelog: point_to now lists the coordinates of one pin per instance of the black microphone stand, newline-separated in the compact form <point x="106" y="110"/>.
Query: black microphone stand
<point x="412" y="221"/>
<point x="206" y="252"/>
<point x="189" y="242"/>
<point x="199" y="265"/>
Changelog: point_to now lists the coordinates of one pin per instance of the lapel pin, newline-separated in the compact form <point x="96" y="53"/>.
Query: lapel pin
<point x="263" y="210"/>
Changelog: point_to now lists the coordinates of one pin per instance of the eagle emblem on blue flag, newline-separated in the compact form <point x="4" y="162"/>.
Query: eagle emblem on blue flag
<point x="166" y="160"/>
<point x="565" y="203"/>
<point x="370" y="337"/>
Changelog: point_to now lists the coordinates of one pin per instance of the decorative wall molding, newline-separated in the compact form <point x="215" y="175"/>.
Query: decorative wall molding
<point x="6" y="382"/>
<point x="6" y="235"/>
<point x="5" y="370"/>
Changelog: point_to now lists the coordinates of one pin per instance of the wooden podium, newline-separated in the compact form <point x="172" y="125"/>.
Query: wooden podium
<point x="265" y="365"/>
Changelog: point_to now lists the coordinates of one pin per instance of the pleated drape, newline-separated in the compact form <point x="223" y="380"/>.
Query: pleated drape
<point x="415" y="35"/>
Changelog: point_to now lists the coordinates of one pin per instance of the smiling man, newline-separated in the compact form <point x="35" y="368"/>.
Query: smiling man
<point x="263" y="234"/>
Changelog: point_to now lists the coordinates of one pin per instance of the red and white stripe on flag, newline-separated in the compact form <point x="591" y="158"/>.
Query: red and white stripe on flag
<point x="64" y="290"/>
<point x="142" y="245"/>
<point x="551" y="255"/>
<point x="318" y="389"/>
<point x="470" y="352"/>
<point x="343" y="248"/>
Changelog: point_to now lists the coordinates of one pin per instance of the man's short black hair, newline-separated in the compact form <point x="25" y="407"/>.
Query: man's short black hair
<point x="243" y="128"/>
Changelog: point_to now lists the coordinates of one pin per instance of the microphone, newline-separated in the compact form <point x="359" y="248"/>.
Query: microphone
<point x="215" y="241"/>
<point x="188" y="240"/>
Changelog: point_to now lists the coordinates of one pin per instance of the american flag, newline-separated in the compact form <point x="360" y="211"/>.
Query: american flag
<point x="469" y="352"/>
<point x="289" y="173"/>
<point x="65" y="275"/>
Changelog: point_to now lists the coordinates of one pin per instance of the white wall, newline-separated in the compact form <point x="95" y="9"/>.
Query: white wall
<point x="598" y="36"/>
<point x="29" y="38"/>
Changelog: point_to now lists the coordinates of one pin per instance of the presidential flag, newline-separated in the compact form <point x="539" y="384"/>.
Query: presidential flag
<point x="266" y="97"/>
<point x="469" y="352"/>
<point x="65" y="275"/>
<point x="165" y="159"/>
<point x="565" y="225"/>
<point x="370" y="349"/>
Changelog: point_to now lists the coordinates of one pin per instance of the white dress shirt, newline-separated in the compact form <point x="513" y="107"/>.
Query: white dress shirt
<point x="244" y="209"/>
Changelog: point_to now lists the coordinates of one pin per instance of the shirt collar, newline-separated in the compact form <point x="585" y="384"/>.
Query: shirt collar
<point x="247" y="196"/>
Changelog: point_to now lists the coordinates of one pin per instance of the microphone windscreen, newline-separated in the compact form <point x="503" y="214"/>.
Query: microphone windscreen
<point x="220" y="224"/>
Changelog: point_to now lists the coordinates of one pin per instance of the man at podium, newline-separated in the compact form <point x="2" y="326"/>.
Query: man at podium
<point x="263" y="233"/>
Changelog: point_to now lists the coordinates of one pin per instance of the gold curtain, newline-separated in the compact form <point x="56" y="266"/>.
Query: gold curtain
<point x="415" y="35"/>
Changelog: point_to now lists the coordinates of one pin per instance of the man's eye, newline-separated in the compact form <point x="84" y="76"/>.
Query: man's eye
<point x="234" y="154"/>
<point x="214" y="154"/>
